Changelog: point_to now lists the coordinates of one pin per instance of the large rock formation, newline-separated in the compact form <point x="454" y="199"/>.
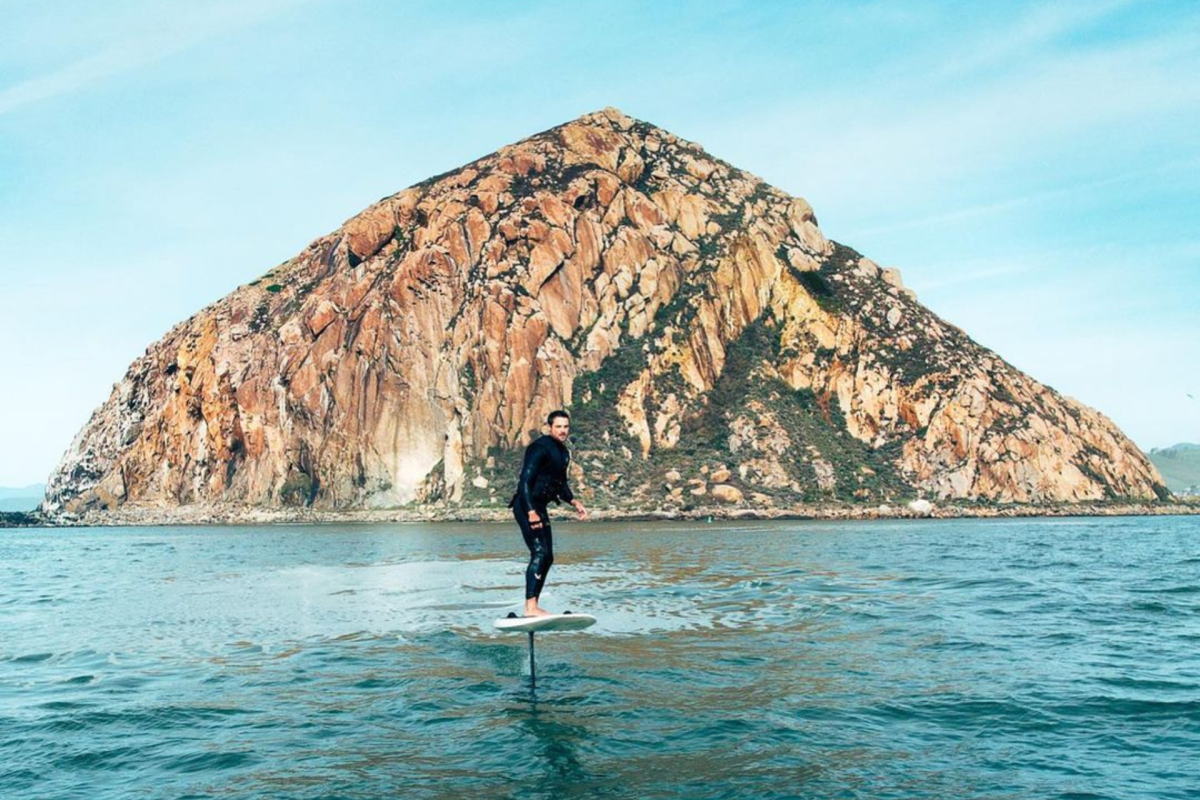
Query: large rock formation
<point x="692" y="316"/>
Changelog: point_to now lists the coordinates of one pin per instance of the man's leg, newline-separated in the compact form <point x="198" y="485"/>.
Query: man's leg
<point x="540" y="556"/>
<point x="545" y="553"/>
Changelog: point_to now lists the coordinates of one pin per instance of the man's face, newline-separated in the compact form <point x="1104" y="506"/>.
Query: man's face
<point x="560" y="428"/>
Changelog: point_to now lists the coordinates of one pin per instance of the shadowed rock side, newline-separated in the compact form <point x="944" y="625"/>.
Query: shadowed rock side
<point x="708" y="336"/>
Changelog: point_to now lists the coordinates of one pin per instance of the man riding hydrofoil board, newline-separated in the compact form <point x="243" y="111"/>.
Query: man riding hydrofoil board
<point x="543" y="479"/>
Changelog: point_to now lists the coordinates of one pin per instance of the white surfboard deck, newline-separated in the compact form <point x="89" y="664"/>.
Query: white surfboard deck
<point x="554" y="622"/>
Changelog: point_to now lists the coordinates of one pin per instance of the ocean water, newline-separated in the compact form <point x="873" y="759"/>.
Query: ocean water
<point x="1043" y="658"/>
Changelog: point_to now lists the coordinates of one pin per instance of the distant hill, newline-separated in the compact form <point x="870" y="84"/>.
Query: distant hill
<point x="1179" y="466"/>
<point x="21" y="498"/>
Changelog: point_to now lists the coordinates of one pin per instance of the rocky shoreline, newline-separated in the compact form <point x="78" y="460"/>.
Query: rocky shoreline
<point x="241" y="515"/>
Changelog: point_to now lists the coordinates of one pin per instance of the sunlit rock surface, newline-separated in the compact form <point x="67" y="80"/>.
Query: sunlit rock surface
<point x="691" y="316"/>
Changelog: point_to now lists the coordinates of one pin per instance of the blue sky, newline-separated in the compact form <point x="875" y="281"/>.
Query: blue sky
<point x="1032" y="168"/>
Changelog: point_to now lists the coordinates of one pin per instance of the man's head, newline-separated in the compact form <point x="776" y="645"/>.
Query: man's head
<point x="560" y="424"/>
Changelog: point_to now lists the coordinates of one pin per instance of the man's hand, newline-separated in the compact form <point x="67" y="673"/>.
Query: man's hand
<point x="579" y="509"/>
<point x="534" y="520"/>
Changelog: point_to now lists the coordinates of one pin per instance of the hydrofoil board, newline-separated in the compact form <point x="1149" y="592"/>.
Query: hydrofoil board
<point x="553" y="622"/>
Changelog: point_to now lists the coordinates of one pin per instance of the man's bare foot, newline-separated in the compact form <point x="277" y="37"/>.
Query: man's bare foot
<point x="537" y="611"/>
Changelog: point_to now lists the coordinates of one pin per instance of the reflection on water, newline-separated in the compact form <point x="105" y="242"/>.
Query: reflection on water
<point x="1025" y="658"/>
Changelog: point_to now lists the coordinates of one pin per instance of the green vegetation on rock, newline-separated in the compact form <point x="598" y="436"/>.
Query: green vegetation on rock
<point x="596" y="392"/>
<point x="814" y="460"/>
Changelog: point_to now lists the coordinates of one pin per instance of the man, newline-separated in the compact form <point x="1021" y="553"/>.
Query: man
<point x="543" y="478"/>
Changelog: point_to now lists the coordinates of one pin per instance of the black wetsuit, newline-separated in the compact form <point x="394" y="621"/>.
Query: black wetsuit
<point x="543" y="478"/>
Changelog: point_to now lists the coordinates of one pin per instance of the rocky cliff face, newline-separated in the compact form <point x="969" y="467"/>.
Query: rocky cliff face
<point x="708" y="337"/>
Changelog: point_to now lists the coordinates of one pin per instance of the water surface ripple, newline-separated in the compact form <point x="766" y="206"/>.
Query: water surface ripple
<point x="910" y="659"/>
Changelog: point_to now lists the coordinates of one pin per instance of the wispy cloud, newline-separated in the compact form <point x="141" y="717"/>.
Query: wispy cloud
<point x="1104" y="263"/>
<point x="1032" y="198"/>
<point x="85" y="71"/>
<point x="914" y="139"/>
<point x="176" y="33"/>
<point x="1040" y="28"/>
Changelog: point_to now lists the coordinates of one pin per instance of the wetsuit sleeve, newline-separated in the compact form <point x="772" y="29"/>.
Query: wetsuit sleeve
<point x="566" y="493"/>
<point x="534" y="458"/>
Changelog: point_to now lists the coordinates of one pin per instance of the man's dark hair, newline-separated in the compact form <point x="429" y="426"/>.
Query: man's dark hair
<point x="555" y="415"/>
